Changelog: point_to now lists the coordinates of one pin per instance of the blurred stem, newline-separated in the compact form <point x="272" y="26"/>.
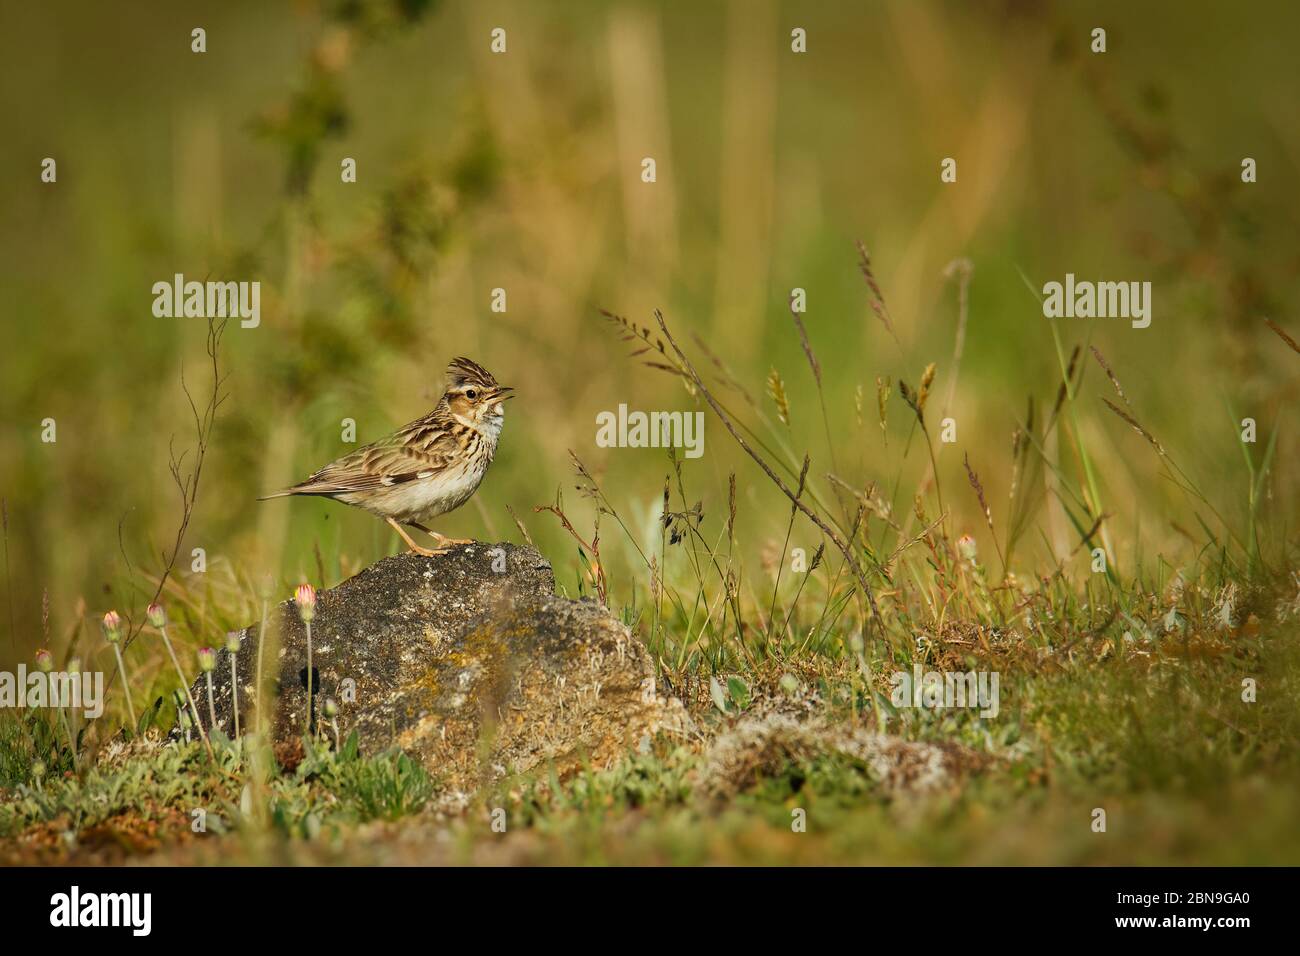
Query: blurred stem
<point x="212" y="705"/>
<point x="1094" y="504"/>
<point x="185" y="686"/>
<point x="307" y="725"/>
<point x="72" y="741"/>
<point x="126" y="685"/>
<point x="234" y="693"/>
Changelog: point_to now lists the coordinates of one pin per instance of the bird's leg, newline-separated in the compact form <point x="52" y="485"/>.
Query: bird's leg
<point x="444" y="542"/>
<point x="407" y="538"/>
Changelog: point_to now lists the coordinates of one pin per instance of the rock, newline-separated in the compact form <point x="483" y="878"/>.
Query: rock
<point x="465" y="660"/>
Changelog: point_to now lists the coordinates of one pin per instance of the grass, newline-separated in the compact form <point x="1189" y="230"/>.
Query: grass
<point x="1126" y="690"/>
<point x="1154" y="735"/>
<point x="1136" y="708"/>
<point x="1122" y="557"/>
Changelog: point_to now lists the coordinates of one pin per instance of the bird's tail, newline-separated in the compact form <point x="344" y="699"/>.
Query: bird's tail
<point x="323" y="489"/>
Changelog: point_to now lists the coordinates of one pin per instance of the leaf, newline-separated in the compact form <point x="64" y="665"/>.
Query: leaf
<point x="739" y="692"/>
<point x="718" y="694"/>
<point x="147" y="718"/>
<point x="351" y="747"/>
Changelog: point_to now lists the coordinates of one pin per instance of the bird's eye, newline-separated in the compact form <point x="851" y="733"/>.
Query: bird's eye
<point x="471" y="394"/>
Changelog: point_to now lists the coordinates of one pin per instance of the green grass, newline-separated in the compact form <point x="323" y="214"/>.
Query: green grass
<point x="1121" y="683"/>
<point x="1157" y="735"/>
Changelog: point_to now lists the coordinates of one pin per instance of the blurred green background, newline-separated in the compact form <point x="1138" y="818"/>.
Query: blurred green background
<point x="522" y="171"/>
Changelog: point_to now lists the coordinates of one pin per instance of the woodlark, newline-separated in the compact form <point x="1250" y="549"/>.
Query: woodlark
<point x="424" y="469"/>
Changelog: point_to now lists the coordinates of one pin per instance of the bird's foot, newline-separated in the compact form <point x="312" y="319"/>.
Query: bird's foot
<point x="428" y="552"/>
<point x="443" y="543"/>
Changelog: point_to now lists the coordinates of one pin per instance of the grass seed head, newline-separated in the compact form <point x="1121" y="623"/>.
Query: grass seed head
<point x="882" y="403"/>
<point x="776" y="389"/>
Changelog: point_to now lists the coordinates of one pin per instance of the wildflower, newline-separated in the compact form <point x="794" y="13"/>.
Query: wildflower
<point x="44" y="661"/>
<point x="207" y="664"/>
<point x="112" y="625"/>
<point x="305" y="598"/>
<point x="233" y="640"/>
<point x="156" y="615"/>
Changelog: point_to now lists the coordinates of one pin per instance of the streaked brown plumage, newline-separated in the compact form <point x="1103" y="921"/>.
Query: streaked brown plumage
<point x="426" y="468"/>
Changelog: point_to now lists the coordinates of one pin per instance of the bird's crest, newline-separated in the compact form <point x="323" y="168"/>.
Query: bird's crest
<point x="463" y="371"/>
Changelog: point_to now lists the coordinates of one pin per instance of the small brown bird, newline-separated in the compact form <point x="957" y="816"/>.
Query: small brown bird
<point x="424" y="469"/>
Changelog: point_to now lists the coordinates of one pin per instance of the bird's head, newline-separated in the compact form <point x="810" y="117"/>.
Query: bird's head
<point x="474" y="396"/>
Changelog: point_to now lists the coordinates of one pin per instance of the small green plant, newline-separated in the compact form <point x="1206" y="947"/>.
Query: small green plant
<point x="732" y="698"/>
<point x="352" y="788"/>
<point x="171" y="776"/>
<point x="28" y="738"/>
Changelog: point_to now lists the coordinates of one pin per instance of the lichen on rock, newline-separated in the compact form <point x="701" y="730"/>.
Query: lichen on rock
<point x="465" y="660"/>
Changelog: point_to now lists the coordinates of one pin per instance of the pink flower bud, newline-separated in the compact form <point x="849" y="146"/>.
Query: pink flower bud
<point x="112" y="625"/>
<point x="44" y="660"/>
<point x="305" y="598"/>
<point x="156" y="615"/>
<point x="207" y="660"/>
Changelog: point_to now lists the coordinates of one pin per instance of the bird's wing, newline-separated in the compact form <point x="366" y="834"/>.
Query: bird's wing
<point x="418" y="450"/>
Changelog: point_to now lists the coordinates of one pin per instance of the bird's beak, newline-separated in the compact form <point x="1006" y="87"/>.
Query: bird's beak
<point x="501" y="393"/>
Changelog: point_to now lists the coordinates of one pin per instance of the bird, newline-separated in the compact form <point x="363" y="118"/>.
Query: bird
<point x="426" y="468"/>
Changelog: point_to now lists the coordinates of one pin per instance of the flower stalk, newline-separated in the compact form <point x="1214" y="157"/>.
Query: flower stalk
<point x="112" y="625"/>
<point x="158" y="618"/>
<point x="305" y="598"/>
